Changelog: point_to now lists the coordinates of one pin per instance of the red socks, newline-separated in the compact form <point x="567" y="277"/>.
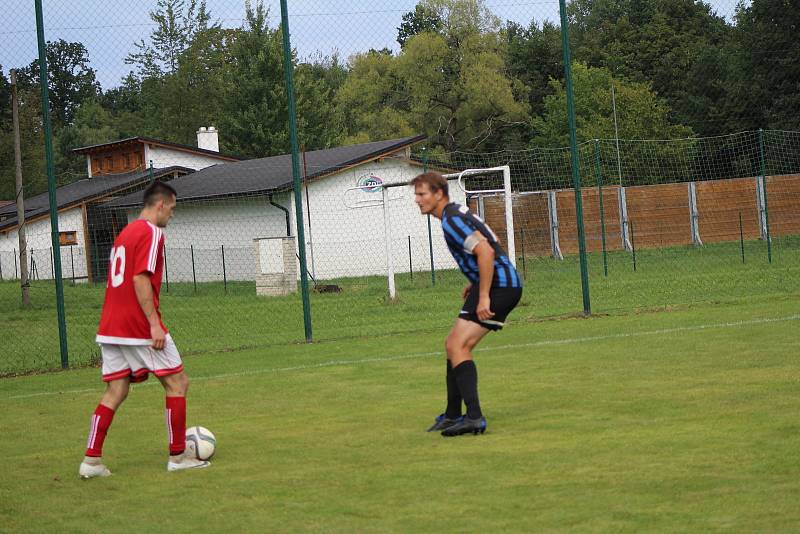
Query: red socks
<point x="176" y="427"/>
<point x="101" y="420"/>
<point x="176" y="424"/>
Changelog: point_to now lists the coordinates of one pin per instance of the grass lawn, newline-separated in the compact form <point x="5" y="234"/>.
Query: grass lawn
<point x="215" y="318"/>
<point x="683" y="419"/>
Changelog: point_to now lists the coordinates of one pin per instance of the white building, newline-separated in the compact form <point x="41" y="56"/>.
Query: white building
<point x="226" y="207"/>
<point x="86" y="233"/>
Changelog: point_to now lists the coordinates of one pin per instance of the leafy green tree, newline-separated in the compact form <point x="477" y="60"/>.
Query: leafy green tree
<point x="768" y="75"/>
<point x="369" y="102"/>
<point x="655" y="41"/>
<point x="92" y="125"/>
<point x="462" y="19"/>
<point x="534" y="58"/>
<point x="176" y="28"/>
<point x="422" y="19"/>
<point x="641" y="114"/>
<point x="71" y="79"/>
<point x="32" y="143"/>
<point x="254" y="118"/>
<point x="254" y="112"/>
<point x="5" y="99"/>
<point x="318" y="123"/>
<point x="125" y="104"/>
<point x="178" y="83"/>
<point x="451" y="85"/>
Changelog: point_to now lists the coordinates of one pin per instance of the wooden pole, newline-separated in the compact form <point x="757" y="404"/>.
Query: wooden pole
<point x="20" y="197"/>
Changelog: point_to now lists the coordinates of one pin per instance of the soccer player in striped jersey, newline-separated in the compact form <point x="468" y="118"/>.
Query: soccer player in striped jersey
<point x="133" y="340"/>
<point x="494" y="290"/>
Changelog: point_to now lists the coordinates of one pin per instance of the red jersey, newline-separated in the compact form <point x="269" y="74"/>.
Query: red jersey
<point x="138" y="249"/>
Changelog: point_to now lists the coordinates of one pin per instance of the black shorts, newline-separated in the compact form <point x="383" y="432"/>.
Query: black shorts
<point x="503" y="300"/>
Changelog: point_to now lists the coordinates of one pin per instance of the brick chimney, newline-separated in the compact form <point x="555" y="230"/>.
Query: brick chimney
<point x="207" y="138"/>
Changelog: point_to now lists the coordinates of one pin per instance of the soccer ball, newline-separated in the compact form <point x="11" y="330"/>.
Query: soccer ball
<point x="200" y="442"/>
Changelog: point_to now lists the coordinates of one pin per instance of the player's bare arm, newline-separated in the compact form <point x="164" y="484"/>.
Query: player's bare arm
<point x="144" y="293"/>
<point x="484" y="253"/>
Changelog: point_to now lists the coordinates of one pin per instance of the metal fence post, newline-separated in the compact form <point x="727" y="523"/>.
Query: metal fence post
<point x="194" y="276"/>
<point x="573" y="144"/>
<point x="166" y="269"/>
<point x="599" y="175"/>
<point x="301" y="240"/>
<point x="741" y="235"/>
<point x="410" y="262"/>
<point x="51" y="184"/>
<point x="764" y="190"/>
<point x="224" y="273"/>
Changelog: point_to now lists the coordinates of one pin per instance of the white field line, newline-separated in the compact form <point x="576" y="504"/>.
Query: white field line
<point x="545" y="343"/>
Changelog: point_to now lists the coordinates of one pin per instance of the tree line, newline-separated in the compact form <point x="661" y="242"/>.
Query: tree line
<point x="467" y="79"/>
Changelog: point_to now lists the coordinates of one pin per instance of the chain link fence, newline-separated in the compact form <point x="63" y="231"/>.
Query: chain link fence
<point x="688" y="143"/>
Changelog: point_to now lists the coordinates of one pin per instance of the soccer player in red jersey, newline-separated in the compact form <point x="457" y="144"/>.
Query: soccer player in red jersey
<point x="133" y="340"/>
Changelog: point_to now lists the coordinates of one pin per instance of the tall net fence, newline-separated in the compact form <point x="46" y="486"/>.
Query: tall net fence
<point x="689" y="153"/>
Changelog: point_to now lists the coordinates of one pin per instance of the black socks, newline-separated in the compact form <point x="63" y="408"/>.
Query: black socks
<point x="466" y="377"/>
<point x="453" y="410"/>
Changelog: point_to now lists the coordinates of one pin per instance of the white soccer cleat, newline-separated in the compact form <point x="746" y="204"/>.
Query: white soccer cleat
<point x="185" y="462"/>
<point x="87" y="471"/>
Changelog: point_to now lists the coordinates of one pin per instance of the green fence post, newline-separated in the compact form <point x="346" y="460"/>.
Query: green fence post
<point x="764" y="181"/>
<point x="298" y="201"/>
<point x="741" y="235"/>
<point x="51" y="185"/>
<point x="573" y="145"/>
<point x="410" y="262"/>
<point x="430" y="231"/>
<point x="166" y="269"/>
<point x="633" y="244"/>
<point x="224" y="274"/>
<point x="194" y="277"/>
<point x="599" y="175"/>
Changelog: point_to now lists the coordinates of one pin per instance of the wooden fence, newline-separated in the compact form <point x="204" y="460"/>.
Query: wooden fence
<point x="657" y="215"/>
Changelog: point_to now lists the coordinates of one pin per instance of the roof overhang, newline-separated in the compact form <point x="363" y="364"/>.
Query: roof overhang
<point x="132" y="141"/>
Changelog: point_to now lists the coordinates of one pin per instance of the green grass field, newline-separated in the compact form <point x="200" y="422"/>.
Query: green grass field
<point x="678" y="419"/>
<point x="211" y="319"/>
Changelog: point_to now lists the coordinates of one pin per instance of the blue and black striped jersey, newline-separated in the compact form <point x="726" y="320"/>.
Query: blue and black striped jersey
<point x="458" y="224"/>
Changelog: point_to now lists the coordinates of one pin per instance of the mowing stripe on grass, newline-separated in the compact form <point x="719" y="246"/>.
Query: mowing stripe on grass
<point x="550" y="342"/>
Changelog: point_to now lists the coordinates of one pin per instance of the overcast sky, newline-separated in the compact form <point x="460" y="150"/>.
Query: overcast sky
<point x="109" y="28"/>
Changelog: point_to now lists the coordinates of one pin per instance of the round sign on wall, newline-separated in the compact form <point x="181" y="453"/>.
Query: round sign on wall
<point x="369" y="183"/>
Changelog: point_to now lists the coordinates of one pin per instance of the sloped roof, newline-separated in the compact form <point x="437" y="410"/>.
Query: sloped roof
<point x="81" y="191"/>
<point x="272" y="174"/>
<point x="152" y="141"/>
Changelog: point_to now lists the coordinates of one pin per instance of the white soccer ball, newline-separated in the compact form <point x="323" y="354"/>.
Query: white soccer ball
<point x="200" y="442"/>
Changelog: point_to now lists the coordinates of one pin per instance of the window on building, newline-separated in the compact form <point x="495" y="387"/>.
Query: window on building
<point x="68" y="238"/>
<point x="110" y="163"/>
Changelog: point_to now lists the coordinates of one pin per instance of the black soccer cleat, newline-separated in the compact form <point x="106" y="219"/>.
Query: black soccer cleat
<point x="466" y="426"/>
<point x="442" y="422"/>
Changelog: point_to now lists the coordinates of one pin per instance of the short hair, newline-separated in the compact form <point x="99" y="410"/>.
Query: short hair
<point x="158" y="191"/>
<point x="436" y="182"/>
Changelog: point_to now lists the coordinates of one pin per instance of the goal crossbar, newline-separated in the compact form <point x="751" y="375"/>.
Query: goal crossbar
<point x="459" y="177"/>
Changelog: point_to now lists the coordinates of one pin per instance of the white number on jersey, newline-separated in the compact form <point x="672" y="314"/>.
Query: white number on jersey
<point x="117" y="266"/>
